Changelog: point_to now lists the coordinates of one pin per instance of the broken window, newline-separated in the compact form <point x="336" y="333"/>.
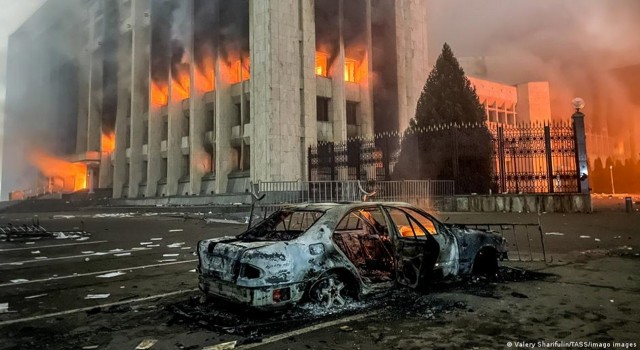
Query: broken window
<point x="406" y="225"/>
<point x="322" y="109"/>
<point x="426" y="222"/>
<point x="283" y="225"/>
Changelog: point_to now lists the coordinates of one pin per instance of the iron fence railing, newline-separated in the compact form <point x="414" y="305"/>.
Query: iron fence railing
<point x="526" y="158"/>
<point x="423" y="193"/>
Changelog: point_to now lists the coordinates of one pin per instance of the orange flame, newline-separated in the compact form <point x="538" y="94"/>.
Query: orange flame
<point x="108" y="142"/>
<point x="181" y="86"/>
<point x="159" y="94"/>
<point x="350" y="70"/>
<point x="205" y="78"/>
<point x="65" y="176"/>
<point x="322" y="61"/>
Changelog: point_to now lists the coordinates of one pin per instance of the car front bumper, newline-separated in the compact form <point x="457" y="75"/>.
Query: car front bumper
<point x="259" y="297"/>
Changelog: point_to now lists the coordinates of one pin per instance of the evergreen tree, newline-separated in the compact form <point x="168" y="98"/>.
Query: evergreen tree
<point x="461" y="153"/>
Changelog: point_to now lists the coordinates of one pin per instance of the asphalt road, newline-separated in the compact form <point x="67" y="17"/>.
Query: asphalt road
<point x="140" y="264"/>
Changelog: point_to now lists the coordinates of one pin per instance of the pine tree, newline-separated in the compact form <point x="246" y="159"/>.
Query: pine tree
<point x="461" y="153"/>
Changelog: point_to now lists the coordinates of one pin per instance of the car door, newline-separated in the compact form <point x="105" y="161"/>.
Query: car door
<point x="449" y="257"/>
<point x="416" y="251"/>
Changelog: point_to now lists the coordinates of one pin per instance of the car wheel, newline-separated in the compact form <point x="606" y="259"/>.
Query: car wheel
<point x="329" y="291"/>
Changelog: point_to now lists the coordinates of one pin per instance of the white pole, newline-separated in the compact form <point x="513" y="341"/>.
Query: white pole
<point x="613" y="188"/>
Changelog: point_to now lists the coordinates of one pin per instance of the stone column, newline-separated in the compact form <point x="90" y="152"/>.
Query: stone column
<point x="200" y="160"/>
<point x="338" y="100"/>
<point x="412" y="53"/>
<point x="226" y="155"/>
<point x="275" y="91"/>
<point x="308" y="118"/>
<point x="365" y="115"/>
<point x="139" y="91"/>
<point x="581" y="152"/>
<point x="120" y="176"/>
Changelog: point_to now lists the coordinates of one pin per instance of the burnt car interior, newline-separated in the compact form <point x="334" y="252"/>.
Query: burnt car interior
<point x="363" y="236"/>
<point x="283" y="225"/>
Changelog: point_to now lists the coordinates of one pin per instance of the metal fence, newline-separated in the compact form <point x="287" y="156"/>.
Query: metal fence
<point x="526" y="158"/>
<point x="525" y="241"/>
<point x="423" y="193"/>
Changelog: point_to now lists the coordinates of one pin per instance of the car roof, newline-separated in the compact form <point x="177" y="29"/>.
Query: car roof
<point x="343" y="205"/>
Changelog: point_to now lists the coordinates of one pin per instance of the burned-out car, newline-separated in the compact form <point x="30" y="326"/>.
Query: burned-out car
<point x="325" y="252"/>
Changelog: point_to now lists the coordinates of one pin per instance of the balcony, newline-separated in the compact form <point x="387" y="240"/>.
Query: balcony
<point x="238" y="136"/>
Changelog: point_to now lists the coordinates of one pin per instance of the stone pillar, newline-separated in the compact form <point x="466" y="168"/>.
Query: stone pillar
<point x="120" y="176"/>
<point x="581" y="152"/>
<point x="365" y="115"/>
<point x="177" y="97"/>
<point x="200" y="160"/>
<point x="307" y="71"/>
<point x="275" y="90"/>
<point x="94" y="126"/>
<point x="339" y="100"/>
<point x="226" y="156"/>
<point x="139" y="91"/>
<point x="412" y="53"/>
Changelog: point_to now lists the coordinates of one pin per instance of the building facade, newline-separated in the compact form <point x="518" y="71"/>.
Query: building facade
<point x="194" y="97"/>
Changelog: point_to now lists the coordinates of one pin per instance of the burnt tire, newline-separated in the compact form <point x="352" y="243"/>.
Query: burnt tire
<point x="330" y="291"/>
<point x="486" y="263"/>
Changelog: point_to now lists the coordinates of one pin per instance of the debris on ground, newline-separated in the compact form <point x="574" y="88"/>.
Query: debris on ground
<point x="222" y="346"/>
<point x="97" y="296"/>
<point x="518" y="295"/>
<point x="346" y="329"/>
<point x="146" y="344"/>
<point x="111" y="274"/>
<point x="4" y="307"/>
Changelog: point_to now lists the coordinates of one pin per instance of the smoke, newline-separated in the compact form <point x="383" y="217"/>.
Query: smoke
<point x="109" y="53"/>
<point x="576" y="45"/>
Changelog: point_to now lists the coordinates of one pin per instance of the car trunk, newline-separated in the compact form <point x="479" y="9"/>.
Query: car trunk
<point x="221" y="259"/>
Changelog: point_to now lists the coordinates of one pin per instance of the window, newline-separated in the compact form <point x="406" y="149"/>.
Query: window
<point x="322" y="109"/>
<point x="367" y="218"/>
<point x="407" y="226"/>
<point x="349" y="70"/>
<point x="352" y="113"/>
<point x="424" y="221"/>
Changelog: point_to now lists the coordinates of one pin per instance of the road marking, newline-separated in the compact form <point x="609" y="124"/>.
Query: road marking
<point x="97" y="273"/>
<point x="316" y="327"/>
<point x="51" y="246"/>
<point x="68" y="312"/>
<point x="71" y="257"/>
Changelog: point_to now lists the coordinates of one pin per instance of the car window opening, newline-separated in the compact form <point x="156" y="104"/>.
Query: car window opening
<point x="283" y="225"/>
<point x="363" y="236"/>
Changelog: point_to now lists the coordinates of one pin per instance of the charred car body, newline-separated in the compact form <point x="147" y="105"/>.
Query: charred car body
<point x="325" y="252"/>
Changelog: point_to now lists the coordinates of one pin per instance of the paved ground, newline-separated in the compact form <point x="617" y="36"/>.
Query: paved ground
<point x="591" y="295"/>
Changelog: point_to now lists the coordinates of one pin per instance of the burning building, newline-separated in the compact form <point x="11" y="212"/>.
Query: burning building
<point x="192" y="97"/>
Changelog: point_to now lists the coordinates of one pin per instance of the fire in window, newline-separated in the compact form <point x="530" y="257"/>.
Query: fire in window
<point x="350" y="70"/>
<point x="322" y="61"/>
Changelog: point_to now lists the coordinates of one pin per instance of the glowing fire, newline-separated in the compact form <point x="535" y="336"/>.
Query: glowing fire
<point x="181" y="85"/>
<point x="108" y="142"/>
<point x="350" y="70"/>
<point x="322" y="61"/>
<point x="159" y="94"/>
<point x="237" y="71"/>
<point x="205" y="79"/>
<point x="63" y="175"/>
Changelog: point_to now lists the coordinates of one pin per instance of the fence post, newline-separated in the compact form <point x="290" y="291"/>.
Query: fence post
<point x="503" y="174"/>
<point x="547" y="151"/>
<point x="581" y="152"/>
<point x="386" y="158"/>
<point x="309" y="164"/>
<point x="455" y="155"/>
<point x="332" y="161"/>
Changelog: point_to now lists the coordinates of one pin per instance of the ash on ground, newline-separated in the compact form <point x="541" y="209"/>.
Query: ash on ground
<point x="399" y="302"/>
